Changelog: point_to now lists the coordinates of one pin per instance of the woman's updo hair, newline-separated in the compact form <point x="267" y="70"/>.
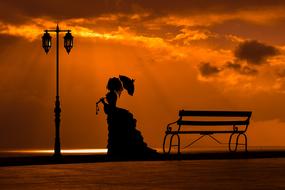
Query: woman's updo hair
<point x="114" y="84"/>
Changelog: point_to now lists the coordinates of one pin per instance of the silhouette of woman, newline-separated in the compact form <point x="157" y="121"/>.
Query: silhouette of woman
<point x="124" y="140"/>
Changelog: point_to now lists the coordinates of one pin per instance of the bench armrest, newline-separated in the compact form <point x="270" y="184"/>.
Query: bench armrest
<point x="168" y="127"/>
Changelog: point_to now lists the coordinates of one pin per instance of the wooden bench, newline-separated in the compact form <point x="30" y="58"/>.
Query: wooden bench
<point x="208" y="123"/>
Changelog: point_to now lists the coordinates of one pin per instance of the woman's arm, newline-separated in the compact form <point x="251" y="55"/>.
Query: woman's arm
<point x="98" y="102"/>
<point x="111" y="98"/>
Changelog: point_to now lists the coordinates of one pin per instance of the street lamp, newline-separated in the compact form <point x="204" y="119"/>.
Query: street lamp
<point x="68" y="44"/>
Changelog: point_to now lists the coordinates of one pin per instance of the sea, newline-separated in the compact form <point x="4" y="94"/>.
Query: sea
<point x="232" y="174"/>
<point x="88" y="151"/>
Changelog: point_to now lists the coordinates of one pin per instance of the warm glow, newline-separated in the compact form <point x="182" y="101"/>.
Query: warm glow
<point x="206" y="56"/>
<point x="64" y="151"/>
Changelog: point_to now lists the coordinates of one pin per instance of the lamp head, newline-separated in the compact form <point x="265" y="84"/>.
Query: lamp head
<point x="68" y="41"/>
<point x="46" y="41"/>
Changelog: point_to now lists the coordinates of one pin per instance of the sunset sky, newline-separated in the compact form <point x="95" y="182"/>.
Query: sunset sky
<point x="187" y="54"/>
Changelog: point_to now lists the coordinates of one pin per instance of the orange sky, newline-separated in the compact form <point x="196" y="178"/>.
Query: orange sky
<point x="215" y="55"/>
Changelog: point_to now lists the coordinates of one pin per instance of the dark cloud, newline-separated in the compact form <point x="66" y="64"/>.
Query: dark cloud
<point x="244" y="70"/>
<point x="251" y="30"/>
<point x="255" y="52"/>
<point x="206" y="69"/>
<point x="232" y="65"/>
<point x="15" y="10"/>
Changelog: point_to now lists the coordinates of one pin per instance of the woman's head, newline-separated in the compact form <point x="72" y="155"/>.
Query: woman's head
<point x="114" y="84"/>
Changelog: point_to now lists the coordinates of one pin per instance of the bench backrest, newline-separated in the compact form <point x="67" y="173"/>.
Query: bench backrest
<point x="231" y="114"/>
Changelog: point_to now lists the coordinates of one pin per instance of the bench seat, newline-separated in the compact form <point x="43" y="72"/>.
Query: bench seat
<point x="201" y="132"/>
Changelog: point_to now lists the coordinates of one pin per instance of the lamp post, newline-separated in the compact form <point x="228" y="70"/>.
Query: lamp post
<point x="68" y="44"/>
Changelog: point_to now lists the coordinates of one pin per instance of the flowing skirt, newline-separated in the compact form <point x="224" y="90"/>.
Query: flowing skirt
<point x="124" y="140"/>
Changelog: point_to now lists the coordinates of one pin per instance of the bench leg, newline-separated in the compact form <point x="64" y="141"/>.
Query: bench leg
<point x="178" y="139"/>
<point x="164" y="141"/>
<point x="237" y="142"/>
<point x="230" y="143"/>
<point x="245" y="141"/>
<point x="171" y="145"/>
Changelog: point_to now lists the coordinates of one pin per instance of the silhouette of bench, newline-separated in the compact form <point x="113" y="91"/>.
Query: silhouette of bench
<point x="208" y="123"/>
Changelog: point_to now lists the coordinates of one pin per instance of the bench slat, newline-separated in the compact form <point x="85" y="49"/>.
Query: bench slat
<point x="212" y="123"/>
<point x="202" y="132"/>
<point x="215" y="113"/>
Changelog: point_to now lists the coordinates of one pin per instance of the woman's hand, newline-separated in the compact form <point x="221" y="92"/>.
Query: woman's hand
<point x="97" y="107"/>
<point x="101" y="100"/>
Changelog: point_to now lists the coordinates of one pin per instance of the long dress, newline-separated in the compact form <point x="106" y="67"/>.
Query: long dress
<point x="124" y="140"/>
